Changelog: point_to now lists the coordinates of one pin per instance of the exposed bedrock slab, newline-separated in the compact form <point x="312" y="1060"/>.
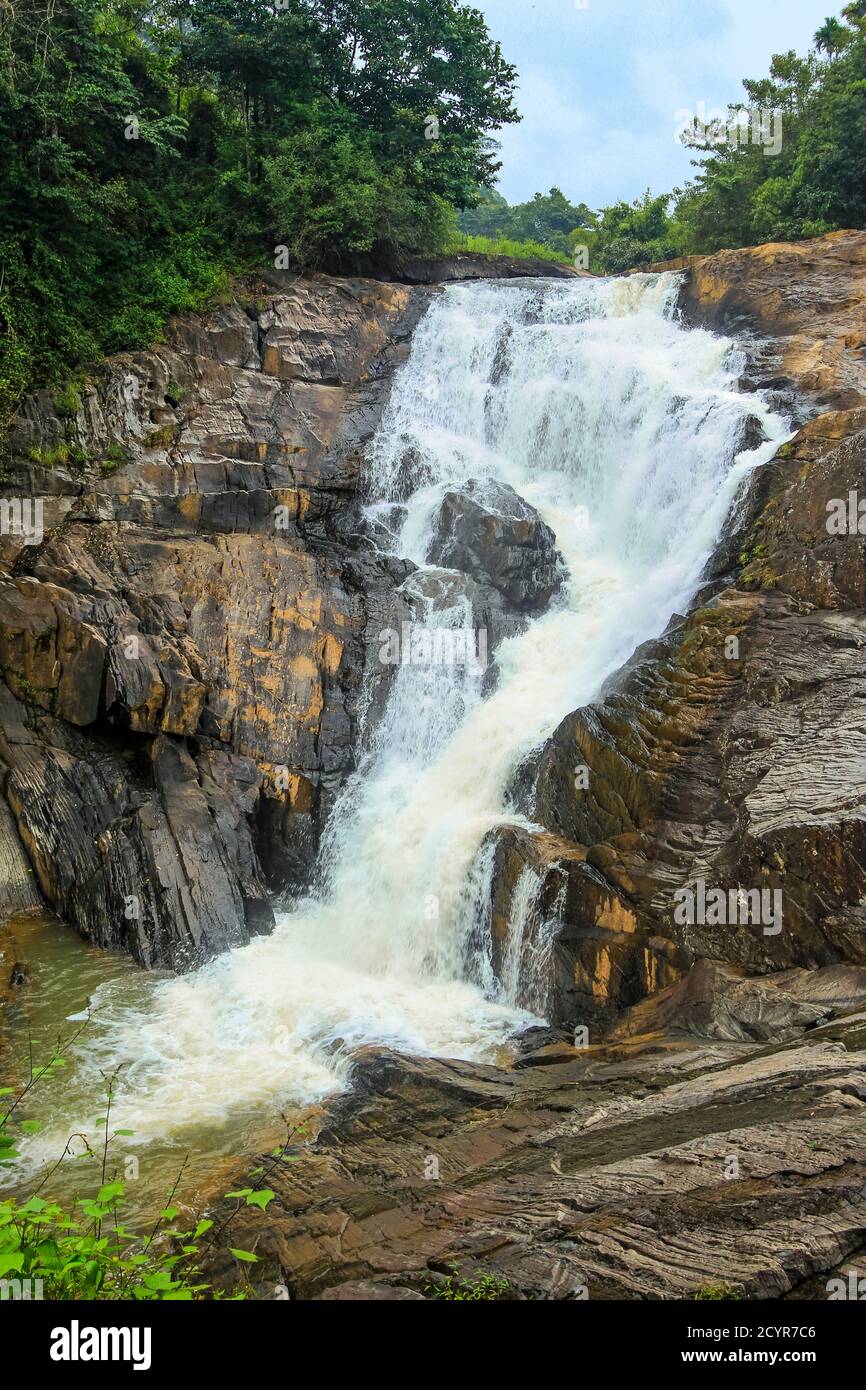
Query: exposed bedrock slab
<point x="182" y="653"/>
<point x="652" y="1168"/>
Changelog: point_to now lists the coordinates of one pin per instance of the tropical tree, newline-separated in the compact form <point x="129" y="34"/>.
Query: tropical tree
<point x="832" y="37"/>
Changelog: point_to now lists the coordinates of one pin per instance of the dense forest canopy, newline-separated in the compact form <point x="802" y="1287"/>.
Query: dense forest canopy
<point x="148" y="151"/>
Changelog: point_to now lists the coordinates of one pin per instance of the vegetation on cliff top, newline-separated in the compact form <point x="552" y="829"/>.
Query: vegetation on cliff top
<point x="147" y="150"/>
<point x="150" y="150"/>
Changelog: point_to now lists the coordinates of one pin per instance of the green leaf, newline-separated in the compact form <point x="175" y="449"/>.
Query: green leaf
<point x="261" y="1198"/>
<point x="33" y="1203"/>
<point x="201" y="1228"/>
<point x="14" y="1261"/>
<point x="111" y="1191"/>
<point x="245" y="1255"/>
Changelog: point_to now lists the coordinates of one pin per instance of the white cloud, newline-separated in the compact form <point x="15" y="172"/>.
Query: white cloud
<point x="600" y="87"/>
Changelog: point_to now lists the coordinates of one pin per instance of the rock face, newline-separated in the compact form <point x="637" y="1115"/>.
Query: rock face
<point x="486" y="530"/>
<point x="182" y="649"/>
<point x="465" y="265"/>
<point x="646" y="1168"/>
<point x="729" y="754"/>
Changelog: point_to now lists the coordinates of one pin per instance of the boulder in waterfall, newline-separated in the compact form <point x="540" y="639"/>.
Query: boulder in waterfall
<point x="752" y="434"/>
<point x="489" y="532"/>
<point x="414" y="470"/>
<point x="446" y="597"/>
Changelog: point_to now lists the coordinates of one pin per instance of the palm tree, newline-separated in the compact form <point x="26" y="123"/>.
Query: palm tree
<point x="832" y="37"/>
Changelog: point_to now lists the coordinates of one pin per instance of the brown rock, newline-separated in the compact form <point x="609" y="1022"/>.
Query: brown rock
<point x="185" y="648"/>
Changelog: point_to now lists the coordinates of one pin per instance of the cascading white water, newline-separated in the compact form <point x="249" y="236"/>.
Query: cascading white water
<point x="622" y="429"/>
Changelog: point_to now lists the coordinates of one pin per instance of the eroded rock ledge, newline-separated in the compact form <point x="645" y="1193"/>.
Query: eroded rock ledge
<point x="652" y="1167"/>
<point x="182" y="653"/>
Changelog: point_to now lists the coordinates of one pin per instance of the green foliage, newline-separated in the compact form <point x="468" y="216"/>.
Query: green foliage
<point x="479" y="1288"/>
<point x="548" y="218"/>
<point x="150" y="152"/>
<point x="502" y="246"/>
<point x="549" y="226"/>
<point x="89" y="1252"/>
<point x="742" y="195"/>
<point x="67" y="401"/>
<point x="50" y="457"/>
<point x="329" y="192"/>
<point x="115" y="457"/>
<point x="716" y="1293"/>
<point x="632" y="234"/>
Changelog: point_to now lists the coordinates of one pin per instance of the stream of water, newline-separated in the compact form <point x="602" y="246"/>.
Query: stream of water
<point x="624" y="430"/>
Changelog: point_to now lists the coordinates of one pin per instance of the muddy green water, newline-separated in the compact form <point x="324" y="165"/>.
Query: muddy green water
<point x="65" y="976"/>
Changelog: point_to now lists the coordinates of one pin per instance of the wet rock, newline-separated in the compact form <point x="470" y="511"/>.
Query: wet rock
<point x="716" y="1000"/>
<point x="486" y="530"/>
<point x="753" y="434"/>
<point x="19" y="975"/>
<point x="440" y="270"/>
<point x="182" y="655"/>
<point x="651" y="1167"/>
<point x="727" y="751"/>
<point x="19" y="890"/>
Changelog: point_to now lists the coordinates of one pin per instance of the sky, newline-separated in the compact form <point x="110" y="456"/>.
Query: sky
<point x="602" y="81"/>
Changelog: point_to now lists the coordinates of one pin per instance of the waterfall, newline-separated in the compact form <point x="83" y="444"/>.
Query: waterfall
<point x="623" y="429"/>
